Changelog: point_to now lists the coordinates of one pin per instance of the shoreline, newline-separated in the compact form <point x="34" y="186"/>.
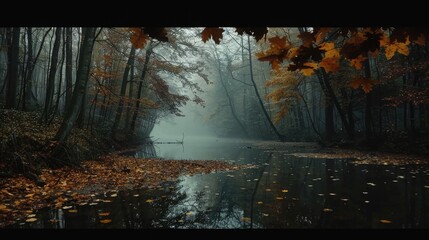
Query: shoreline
<point x="20" y="197"/>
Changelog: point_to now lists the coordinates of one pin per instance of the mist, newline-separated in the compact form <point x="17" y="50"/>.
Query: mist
<point x="192" y="124"/>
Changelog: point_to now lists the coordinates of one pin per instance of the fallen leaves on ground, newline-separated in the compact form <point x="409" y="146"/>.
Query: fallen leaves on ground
<point x="20" y="195"/>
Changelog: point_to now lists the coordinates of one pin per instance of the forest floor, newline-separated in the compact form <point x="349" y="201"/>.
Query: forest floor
<point x="20" y="197"/>
<point x="28" y="184"/>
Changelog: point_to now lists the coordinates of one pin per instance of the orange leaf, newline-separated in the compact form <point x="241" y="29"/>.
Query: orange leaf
<point x="104" y="221"/>
<point x="104" y="214"/>
<point x="357" y="62"/>
<point x="367" y="85"/>
<point x="211" y="32"/>
<point x="309" y="71"/>
<point x="330" y="64"/>
<point x="356" y="82"/>
<point x="138" y="38"/>
<point x="292" y="53"/>
<point x="278" y="43"/>
<point x="385" y="221"/>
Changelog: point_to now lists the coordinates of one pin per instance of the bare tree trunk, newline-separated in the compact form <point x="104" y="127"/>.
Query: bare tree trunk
<point x="69" y="66"/>
<point x="140" y="88"/>
<point x="51" y="78"/>
<point x="82" y="77"/>
<point x="130" y="96"/>
<point x="368" y="104"/>
<point x="273" y="127"/>
<point x="13" y="53"/>
<point x="130" y="63"/>
<point x="231" y="103"/>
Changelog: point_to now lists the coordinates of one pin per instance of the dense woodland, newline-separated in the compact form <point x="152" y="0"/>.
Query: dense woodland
<point x="353" y="87"/>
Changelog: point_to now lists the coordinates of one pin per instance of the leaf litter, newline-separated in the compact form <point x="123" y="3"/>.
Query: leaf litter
<point x="72" y="186"/>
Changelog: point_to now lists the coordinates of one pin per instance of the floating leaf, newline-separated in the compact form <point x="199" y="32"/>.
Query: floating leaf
<point x="31" y="220"/>
<point x="72" y="211"/>
<point x="268" y="190"/>
<point x="31" y="216"/>
<point x="265" y="214"/>
<point x="279" y="198"/>
<point x="149" y="200"/>
<point x="3" y="207"/>
<point x="104" y="221"/>
<point x="189" y="213"/>
<point x="67" y="207"/>
<point x="104" y="214"/>
<point x="385" y="221"/>
<point x="246" y="219"/>
<point x="332" y="194"/>
<point x="259" y="202"/>
<point x="285" y="191"/>
<point x="328" y="210"/>
<point x="114" y="195"/>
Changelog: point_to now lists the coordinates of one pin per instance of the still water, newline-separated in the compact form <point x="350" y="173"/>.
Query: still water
<point x="282" y="192"/>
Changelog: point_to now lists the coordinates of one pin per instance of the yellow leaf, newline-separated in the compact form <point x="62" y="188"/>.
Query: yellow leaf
<point x="292" y="53"/>
<point x="285" y="190"/>
<point x="149" y="200"/>
<point x="104" y="221"/>
<point x="399" y="47"/>
<point x="259" y="202"/>
<point x="104" y="214"/>
<point x="385" y="221"/>
<point x="31" y="220"/>
<point x="327" y="46"/>
<point x="403" y="49"/>
<point x="390" y="51"/>
<point x="72" y="211"/>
